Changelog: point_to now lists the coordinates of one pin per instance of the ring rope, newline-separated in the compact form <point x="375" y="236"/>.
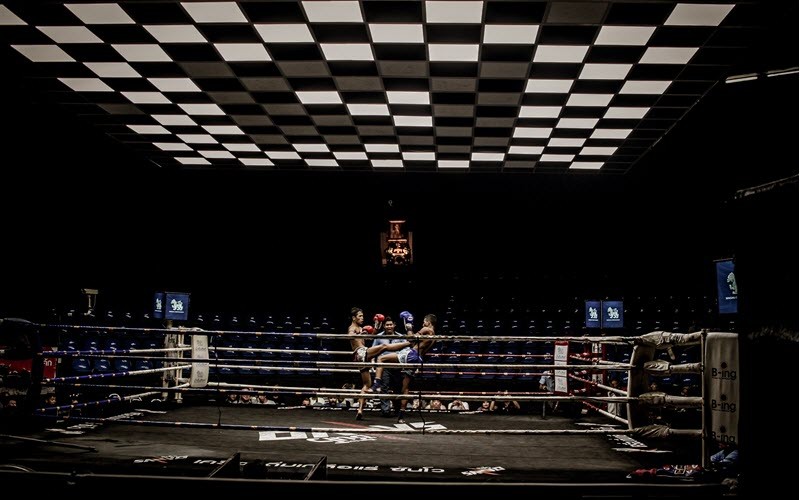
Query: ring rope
<point x="598" y="384"/>
<point x="113" y="374"/>
<point x="617" y="340"/>
<point x="366" y="430"/>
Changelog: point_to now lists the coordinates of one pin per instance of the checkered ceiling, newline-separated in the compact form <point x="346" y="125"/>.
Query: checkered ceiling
<point x="377" y="85"/>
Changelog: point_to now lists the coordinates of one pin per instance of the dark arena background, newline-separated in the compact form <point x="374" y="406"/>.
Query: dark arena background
<point x="96" y="219"/>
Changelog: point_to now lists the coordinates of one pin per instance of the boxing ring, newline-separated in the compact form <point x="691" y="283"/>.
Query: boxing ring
<point x="178" y="419"/>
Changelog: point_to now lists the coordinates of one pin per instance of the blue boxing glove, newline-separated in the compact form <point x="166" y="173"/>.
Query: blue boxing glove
<point x="408" y="320"/>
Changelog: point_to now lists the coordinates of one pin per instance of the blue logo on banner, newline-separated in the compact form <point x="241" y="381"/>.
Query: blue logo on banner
<point x="612" y="314"/>
<point x="727" y="290"/>
<point x="158" y="305"/>
<point x="176" y="306"/>
<point x="592" y="314"/>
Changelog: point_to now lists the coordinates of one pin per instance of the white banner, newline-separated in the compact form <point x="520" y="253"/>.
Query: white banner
<point x="199" y="376"/>
<point x="561" y="357"/>
<point x="722" y="386"/>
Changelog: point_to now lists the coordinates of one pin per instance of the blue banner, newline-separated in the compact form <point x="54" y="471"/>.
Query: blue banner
<point x="612" y="314"/>
<point x="592" y="314"/>
<point x="727" y="290"/>
<point x="176" y="306"/>
<point x="158" y="305"/>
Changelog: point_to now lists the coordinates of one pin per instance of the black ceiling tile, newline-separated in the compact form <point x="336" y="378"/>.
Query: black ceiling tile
<point x="173" y="70"/>
<point x="220" y="84"/>
<point x="597" y="86"/>
<point x="242" y="109"/>
<point x="312" y="84"/>
<point x="273" y="12"/>
<point x="326" y="109"/>
<point x="265" y="84"/>
<point x="403" y="68"/>
<point x="130" y="84"/>
<point x="275" y="97"/>
<point x="415" y="142"/>
<point x="453" y="132"/>
<point x="122" y="33"/>
<point x="364" y="97"/>
<point x="567" y="35"/>
<point x="537" y="122"/>
<point x="453" y="98"/>
<point x="161" y="109"/>
<point x="617" y="123"/>
<point x="453" y="121"/>
<point x="453" y="69"/>
<point x="498" y="85"/>
<point x="253" y="124"/>
<point x="640" y="14"/>
<point x="680" y="36"/>
<point x="454" y="141"/>
<point x="677" y="101"/>
<point x="499" y="98"/>
<point x="294" y="51"/>
<point x="717" y="55"/>
<point x="494" y="122"/>
<point x="469" y="34"/>
<point x="213" y="120"/>
<point x="44" y="14"/>
<point x="635" y="100"/>
<point x="498" y="52"/>
<point x="343" y="141"/>
<point x="544" y="99"/>
<point x="645" y="134"/>
<point x="336" y="130"/>
<point x="493" y="132"/>
<point x="340" y="33"/>
<point x="504" y="70"/>
<point x="288" y="109"/>
<point x="23" y="35"/>
<point x="453" y="84"/>
<point x="357" y="83"/>
<point x="655" y="72"/>
<point x="453" y="149"/>
<point x="557" y="71"/>
<point x="156" y="13"/>
<point x="271" y="139"/>
<point x="577" y="12"/>
<point x="750" y="14"/>
<point x="571" y="133"/>
<point x="188" y="98"/>
<point x="689" y="88"/>
<point x="673" y="114"/>
<point x="376" y="11"/>
<point x="615" y="54"/>
<point x="299" y="130"/>
<point x="304" y="68"/>
<point x="353" y="68"/>
<point x="376" y="130"/>
<point x="407" y="84"/>
<point x="502" y="111"/>
<point x="490" y="141"/>
<point x="254" y="69"/>
<point x="736" y="37"/>
<point x="500" y="12"/>
<point x="229" y="33"/>
<point x="583" y="112"/>
<point x="373" y="120"/>
<point x="410" y="110"/>
<point x="190" y="52"/>
<point x="454" y="110"/>
<point x="400" y="52"/>
<point x="92" y="52"/>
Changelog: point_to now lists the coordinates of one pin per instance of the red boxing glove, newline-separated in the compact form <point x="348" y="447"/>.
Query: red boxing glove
<point x="369" y="330"/>
<point x="379" y="318"/>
